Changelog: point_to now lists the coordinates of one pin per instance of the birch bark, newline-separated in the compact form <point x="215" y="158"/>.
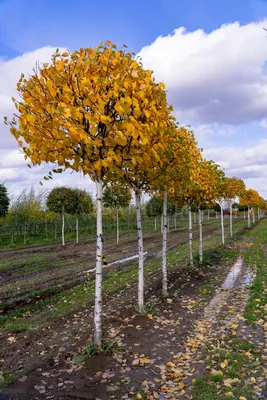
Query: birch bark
<point x="164" y="248"/>
<point x="98" y="272"/>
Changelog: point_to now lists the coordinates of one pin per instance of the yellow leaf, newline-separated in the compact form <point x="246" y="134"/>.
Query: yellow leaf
<point x="144" y="360"/>
<point x="66" y="112"/>
<point x="135" y="74"/>
<point x="31" y="118"/>
<point x="224" y="364"/>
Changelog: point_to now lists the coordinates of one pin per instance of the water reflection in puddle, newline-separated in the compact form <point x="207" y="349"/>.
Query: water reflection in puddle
<point x="233" y="274"/>
<point x="220" y="298"/>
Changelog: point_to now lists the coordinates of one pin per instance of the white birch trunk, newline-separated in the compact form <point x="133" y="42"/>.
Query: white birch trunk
<point x="222" y="223"/>
<point x="200" y="237"/>
<point x="208" y="214"/>
<point x="164" y="248"/>
<point x="248" y="217"/>
<point x="140" y="253"/>
<point x="190" y="235"/>
<point x="259" y="213"/>
<point x="118" y="226"/>
<point x="77" y="229"/>
<point x="244" y="214"/>
<point x="231" y="220"/>
<point x="175" y="223"/>
<point x="253" y="215"/>
<point x="63" y="226"/>
<point x="98" y="272"/>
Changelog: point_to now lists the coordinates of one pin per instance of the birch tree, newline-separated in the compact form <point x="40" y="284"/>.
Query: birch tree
<point x="182" y="174"/>
<point x="250" y="198"/>
<point x="96" y="111"/>
<point x="202" y="190"/>
<point x="62" y="200"/>
<point x="116" y="196"/>
<point x="234" y="187"/>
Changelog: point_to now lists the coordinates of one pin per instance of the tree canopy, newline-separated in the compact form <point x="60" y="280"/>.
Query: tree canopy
<point x="115" y="196"/>
<point x="4" y="200"/>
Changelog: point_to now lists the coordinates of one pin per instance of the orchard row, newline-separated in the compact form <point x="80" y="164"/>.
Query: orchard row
<point x="97" y="111"/>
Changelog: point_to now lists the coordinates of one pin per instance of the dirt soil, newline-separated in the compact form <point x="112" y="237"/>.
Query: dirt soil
<point x="63" y="268"/>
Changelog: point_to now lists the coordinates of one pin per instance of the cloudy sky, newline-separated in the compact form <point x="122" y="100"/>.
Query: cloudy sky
<point x="211" y="54"/>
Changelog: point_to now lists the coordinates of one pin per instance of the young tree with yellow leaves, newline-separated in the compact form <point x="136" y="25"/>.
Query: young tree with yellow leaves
<point x="250" y="198"/>
<point x="234" y="187"/>
<point x="182" y="156"/>
<point x="203" y="188"/>
<point x="91" y="111"/>
<point x="182" y="177"/>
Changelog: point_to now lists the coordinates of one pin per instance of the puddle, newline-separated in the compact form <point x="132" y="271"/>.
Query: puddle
<point x="249" y="278"/>
<point x="233" y="274"/>
<point x="221" y="297"/>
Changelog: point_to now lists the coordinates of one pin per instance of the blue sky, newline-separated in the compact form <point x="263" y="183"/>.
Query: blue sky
<point x="28" y="24"/>
<point x="214" y="69"/>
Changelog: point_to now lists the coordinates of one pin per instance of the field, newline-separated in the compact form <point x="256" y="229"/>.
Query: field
<point x="47" y="296"/>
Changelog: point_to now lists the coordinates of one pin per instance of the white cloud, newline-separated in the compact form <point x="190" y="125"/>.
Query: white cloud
<point x="249" y="163"/>
<point x="213" y="78"/>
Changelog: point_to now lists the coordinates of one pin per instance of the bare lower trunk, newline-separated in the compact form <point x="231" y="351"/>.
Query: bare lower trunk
<point x="231" y="221"/>
<point x="155" y="223"/>
<point x="140" y="252"/>
<point x="200" y="237"/>
<point x="244" y="214"/>
<point x="63" y="226"/>
<point x="118" y="226"/>
<point x="190" y="235"/>
<point x="208" y="215"/>
<point x="164" y="248"/>
<point x="259" y="213"/>
<point x="222" y="224"/>
<point x="195" y="217"/>
<point x="248" y="217"/>
<point x="253" y="216"/>
<point x="55" y="230"/>
<point x="77" y="229"/>
<point x="216" y="215"/>
<point x="175" y="223"/>
<point x="98" y="272"/>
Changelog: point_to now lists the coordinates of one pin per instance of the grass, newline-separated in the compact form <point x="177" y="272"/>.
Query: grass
<point x="90" y="349"/>
<point x="242" y="364"/>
